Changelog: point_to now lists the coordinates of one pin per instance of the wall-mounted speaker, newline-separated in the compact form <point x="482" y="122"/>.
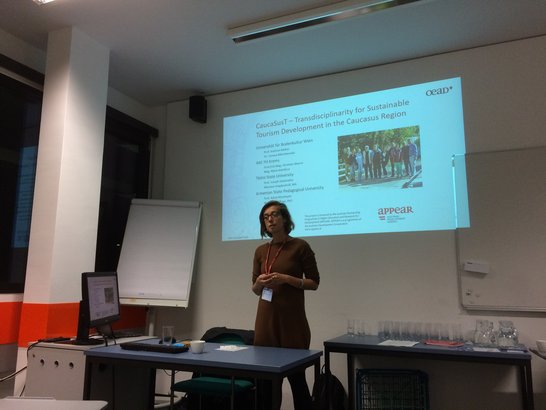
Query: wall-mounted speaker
<point x="198" y="108"/>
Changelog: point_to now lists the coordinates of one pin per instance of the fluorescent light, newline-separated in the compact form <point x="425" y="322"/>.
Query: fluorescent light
<point x="333" y="12"/>
<point x="42" y="1"/>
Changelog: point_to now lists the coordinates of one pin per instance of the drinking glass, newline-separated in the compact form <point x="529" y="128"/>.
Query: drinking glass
<point x="417" y="331"/>
<point x="381" y="329"/>
<point x="456" y="332"/>
<point x="428" y="332"/>
<point x="351" y="327"/>
<point x="395" y="333"/>
<point x="361" y="328"/>
<point x="167" y="335"/>
<point x="387" y="329"/>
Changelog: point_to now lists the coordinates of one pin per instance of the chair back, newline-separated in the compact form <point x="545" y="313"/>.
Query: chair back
<point x="229" y="336"/>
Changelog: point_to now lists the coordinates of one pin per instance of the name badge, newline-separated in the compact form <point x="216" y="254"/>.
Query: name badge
<point x="267" y="294"/>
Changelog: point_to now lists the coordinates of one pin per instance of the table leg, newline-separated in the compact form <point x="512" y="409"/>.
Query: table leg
<point x="276" y="396"/>
<point x="232" y="398"/>
<point x="171" y="393"/>
<point x="326" y="372"/>
<point x="255" y="394"/>
<point x="351" y="381"/>
<point x="87" y="380"/>
<point x="526" y="381"/>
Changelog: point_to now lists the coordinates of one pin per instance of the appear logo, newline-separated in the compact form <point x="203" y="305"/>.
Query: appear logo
<point x="438" y="91"/>
<point x="394" y="214"/>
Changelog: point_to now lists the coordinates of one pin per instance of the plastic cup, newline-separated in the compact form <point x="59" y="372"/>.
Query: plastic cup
<point x="197" y="346"/>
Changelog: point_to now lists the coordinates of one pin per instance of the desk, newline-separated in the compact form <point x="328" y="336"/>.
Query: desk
<point x="58" y="369"/>
<point x="369" y="345"/>
<point x="31" y="403"/>
<point x="270" y="363"/>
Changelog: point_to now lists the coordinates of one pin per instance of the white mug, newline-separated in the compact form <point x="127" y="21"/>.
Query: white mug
<point x="197" y="346"/>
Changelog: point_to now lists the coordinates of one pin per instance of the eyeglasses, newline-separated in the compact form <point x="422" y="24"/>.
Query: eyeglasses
<point x="274" y="214"/>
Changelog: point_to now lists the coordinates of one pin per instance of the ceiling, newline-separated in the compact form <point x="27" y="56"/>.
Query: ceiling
<point x="167" y="50"/>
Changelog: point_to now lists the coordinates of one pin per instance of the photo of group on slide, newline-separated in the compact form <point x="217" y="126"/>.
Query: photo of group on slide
<point x="389" y="157"/>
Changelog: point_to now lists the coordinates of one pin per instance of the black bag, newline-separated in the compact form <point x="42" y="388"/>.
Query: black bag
<point x="335" y="398"/>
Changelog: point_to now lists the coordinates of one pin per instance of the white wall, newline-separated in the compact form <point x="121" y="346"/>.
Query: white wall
<point x="407" y="276"/>
<point x="34" y="58"/>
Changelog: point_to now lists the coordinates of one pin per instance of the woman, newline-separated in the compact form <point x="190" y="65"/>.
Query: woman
<point x="283" y="268"/>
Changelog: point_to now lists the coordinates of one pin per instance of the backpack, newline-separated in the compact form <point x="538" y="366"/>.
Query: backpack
<point x="337" y="395"/>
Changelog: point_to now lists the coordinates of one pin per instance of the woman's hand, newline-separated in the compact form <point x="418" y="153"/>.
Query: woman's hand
<point x="270" y="279"/>
<point x="265" y="280"/>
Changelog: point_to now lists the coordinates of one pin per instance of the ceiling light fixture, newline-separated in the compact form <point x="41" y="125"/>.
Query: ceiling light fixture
<point x="320" y="15"/>
<point x="42" y="1"/>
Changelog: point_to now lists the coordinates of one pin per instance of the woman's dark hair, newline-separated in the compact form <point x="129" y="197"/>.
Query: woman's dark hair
<point x="283" y="209"/>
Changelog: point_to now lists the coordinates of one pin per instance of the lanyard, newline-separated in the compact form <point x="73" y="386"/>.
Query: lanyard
<point x="268" y="268"/>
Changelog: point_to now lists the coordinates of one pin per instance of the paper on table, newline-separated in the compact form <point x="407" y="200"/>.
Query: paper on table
<point x="231" y="348"/>
<point x="399" y="343"/>
<point x="485" y="349"/>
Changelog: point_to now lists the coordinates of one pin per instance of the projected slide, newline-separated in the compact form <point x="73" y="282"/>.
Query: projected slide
<point x="375" y="162"/>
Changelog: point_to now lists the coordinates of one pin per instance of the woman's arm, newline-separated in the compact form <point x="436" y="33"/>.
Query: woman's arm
<point x="300" y="283"/>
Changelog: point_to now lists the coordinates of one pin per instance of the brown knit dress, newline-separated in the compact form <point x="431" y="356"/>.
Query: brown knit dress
<point x="282" y="322"/>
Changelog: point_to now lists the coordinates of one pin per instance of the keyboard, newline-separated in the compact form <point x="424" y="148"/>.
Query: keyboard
<point x="81" y="342"/>
<point x="121" y="334"/>
<point x="154" y="347"/>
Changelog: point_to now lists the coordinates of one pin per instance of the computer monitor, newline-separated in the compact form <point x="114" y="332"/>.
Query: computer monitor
<point x="99" y="307"/>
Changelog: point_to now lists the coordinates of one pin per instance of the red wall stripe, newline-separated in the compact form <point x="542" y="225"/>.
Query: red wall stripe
<point x="39" y="321"/>
<point x="10" y="316"/>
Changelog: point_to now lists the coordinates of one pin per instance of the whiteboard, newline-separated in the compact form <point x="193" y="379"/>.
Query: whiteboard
<point x="157" y="255"/>
<point x="502" y="256"/>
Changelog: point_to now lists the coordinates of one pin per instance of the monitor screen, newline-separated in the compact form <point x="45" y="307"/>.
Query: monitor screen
<point x="100" y="306"/>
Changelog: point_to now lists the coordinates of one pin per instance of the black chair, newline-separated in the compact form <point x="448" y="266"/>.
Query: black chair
<point x="208" y="391"/>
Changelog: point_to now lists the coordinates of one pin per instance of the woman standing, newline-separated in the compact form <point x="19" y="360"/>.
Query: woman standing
<point x="283" y="269"/>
